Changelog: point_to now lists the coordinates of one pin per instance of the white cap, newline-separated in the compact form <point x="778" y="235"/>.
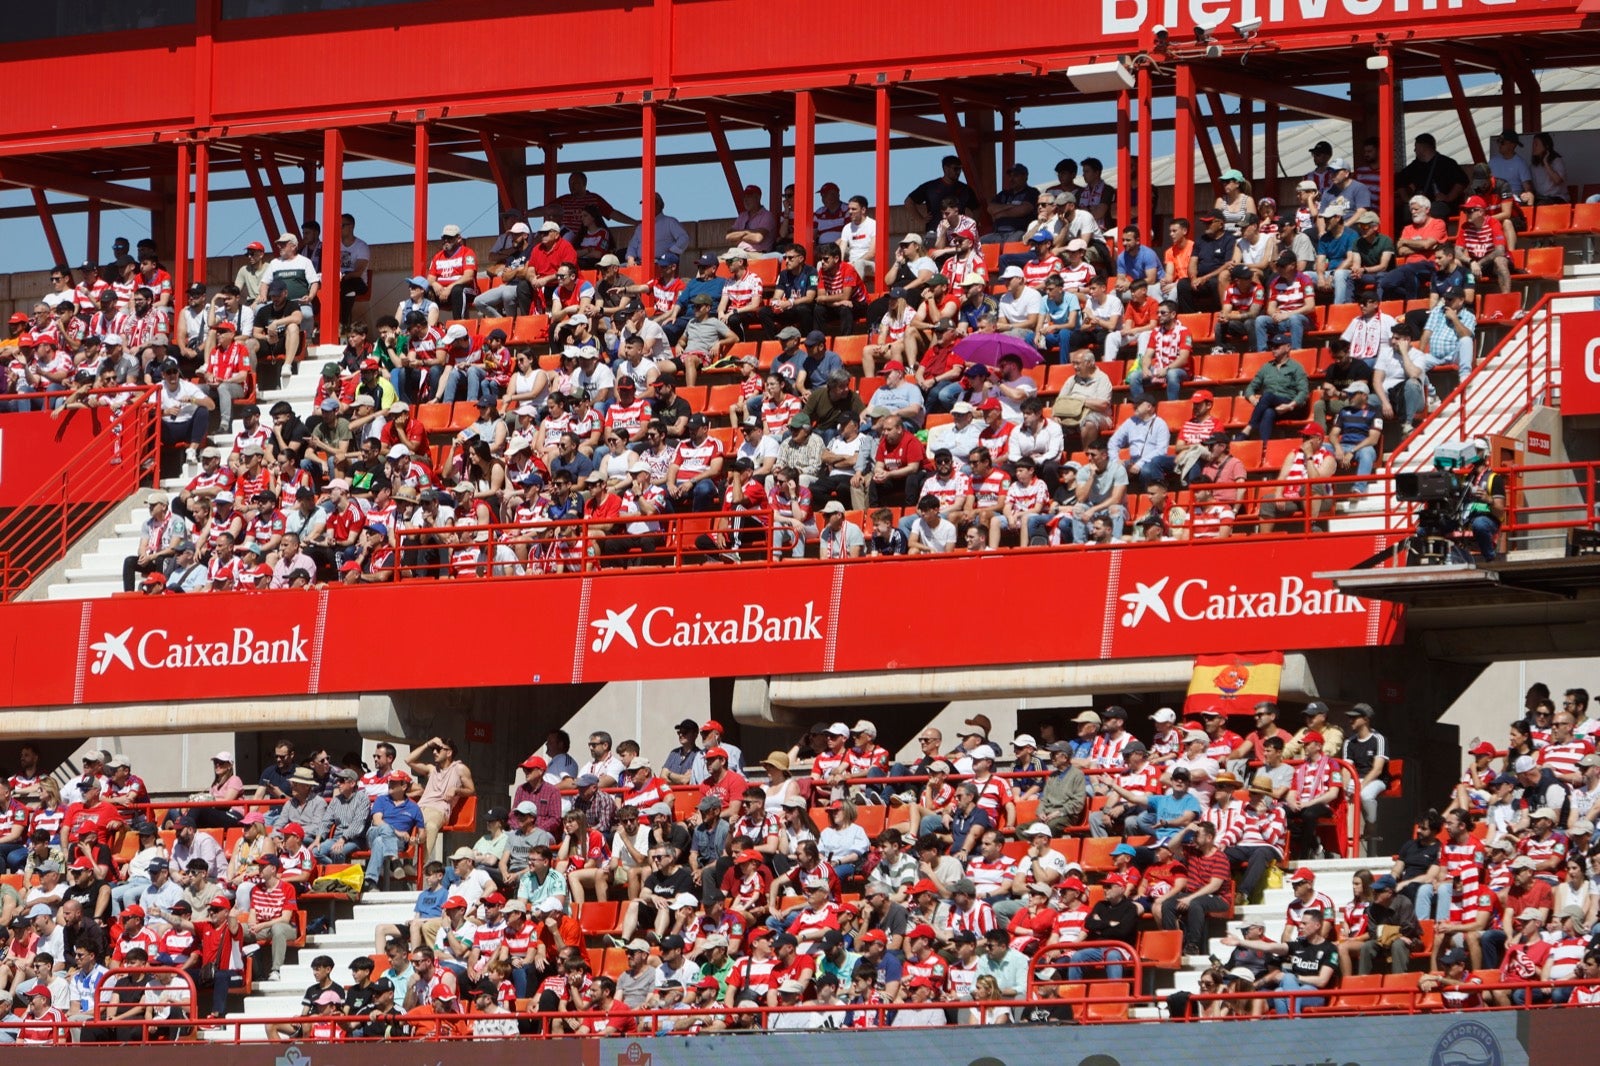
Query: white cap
<point x="520" y="227"/>
<point x="223" y="756"/>
<point x="1024" y="740"/>
<point x="1011" y="272"/>
<point x="527" y="409"/>
<point x="456" y="332"/>
<point x="1524" y="764"/>
<point x="1165" y="714"/>
<point x="864" y="726"/>
<point x="1038" y="829"/>
<point x="399" y="451"/>
<point x="838" y="729"/>
<point x="961" y="407"/>
<point x="685" y="899"/>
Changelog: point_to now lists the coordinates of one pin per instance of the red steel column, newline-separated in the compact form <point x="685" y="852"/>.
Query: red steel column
<point x="775" y="170"/>
<point x="881" y="192"/>
<point x="93" y="241"/>
<point x="332" y="208"/>
<point x="1146" y="183"/>
<point x="1387" y="153"/>
<point x="180" y="233"/>
<point x="805" y="132"/>
<point x="202" y="206"/>
<point x="1124" y="165"/>
<point x="647" y="195"/>
<point x="1269" y="149"/>
<point x="419" y="203"/>
<point x="1183" y="144"/>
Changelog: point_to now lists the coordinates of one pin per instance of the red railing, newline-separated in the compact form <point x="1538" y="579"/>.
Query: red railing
<point x="1548" y="503"/>
<point x="1503" y="386"/>
<point x="571" y="545"/>
<point x="122" y="456"/>
<point x="1096" y="1001"/>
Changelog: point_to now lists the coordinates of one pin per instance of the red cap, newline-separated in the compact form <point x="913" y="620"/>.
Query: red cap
<point x="1073" y="883"/>
<point x="1202" y="396"/>
<point x="874" y="936"/>
<point x="226" y="326"/>
<point x="989" y="403"/>
<point x="1311" y="737"/>
<point x="1302" y="873"/>
<point x="1312" y="431"/>
<point x="83" y="862"/>
<point x="494" y="899"/>
<point x="708" y="982"/>
<point x="220" y="901"/>
<point x="924" y="885"/>
<point x="967" y="230"/>
<point x="710" y="724"/>
<point x="294" y="829"/>
<point x="134" y="911"/>
<point x="370" y="363"/>
<point x="27" y="341"/>
<point x="850" y="908"/>
<point x="748" y="855"/>
<point x="894" y="364"/>
<point x="923" y="930"/>
<point x="18" y="318"/>
<point x="761" y="933"/>
<point x="350" y="566"/>
<point x="255" y="246"/>
<point x="400" y="776"/>
<point x="535" y="762"/>
<point x="455" y="903"/>
<point x="1484" y="748"/>
<point x="1474" y="201"/>
<point x="717" y="753"/>
<point x="1113" y="879"/>
<point x="919" y="981"/>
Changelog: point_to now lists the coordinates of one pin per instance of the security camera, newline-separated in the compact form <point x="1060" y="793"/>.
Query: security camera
<point x="1160" y="32"/>
<point x="1202" y="34"/>
<point x="1247" y="28"/>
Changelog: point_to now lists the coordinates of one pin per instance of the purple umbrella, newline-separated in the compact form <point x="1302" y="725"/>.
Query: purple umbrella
<point x="985" y="349"/>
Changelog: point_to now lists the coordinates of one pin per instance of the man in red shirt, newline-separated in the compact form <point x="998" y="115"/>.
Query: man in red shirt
<point x="899" y="466"/>
<point x="840" y="292"/>
<point x="1483" y="244"/>
<point x="227" y="370"/>
<point x="544" y="258"/>
<point x="452" y="271"/>
<point x="721" y="781"/>
<point x="271" y="919"/>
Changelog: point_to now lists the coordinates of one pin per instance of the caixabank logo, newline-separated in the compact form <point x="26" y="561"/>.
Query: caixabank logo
<point x="1195" y="599"/>
<point x="664" y="627"/>
<point x="157" y="649"/>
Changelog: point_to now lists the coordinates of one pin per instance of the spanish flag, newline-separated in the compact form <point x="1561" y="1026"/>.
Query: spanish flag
<point x="1233" y="684"/>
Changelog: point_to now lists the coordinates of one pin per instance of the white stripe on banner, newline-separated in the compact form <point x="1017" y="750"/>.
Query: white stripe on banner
<point x="830" y="643"/>
<point x="1108" y="624"/>
<point x="580" y="644"/>
<point x="83" y="653"/>
<point x="1374" y="605"/>
<point x="314" y="682"/>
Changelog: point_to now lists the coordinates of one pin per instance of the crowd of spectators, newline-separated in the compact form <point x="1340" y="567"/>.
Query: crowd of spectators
<point x="735" y="887"/>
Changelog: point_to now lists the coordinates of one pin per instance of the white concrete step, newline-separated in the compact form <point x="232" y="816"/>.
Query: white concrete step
<point x="83" y="590"/>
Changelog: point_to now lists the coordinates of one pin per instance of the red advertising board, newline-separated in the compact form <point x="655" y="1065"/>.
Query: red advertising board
<point x="34" y="447"/>
<point x="957" y="610"/>
<point x="1580" y="363"/>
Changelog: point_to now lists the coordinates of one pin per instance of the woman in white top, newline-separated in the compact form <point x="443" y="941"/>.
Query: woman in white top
<point x="1254" y="249"/>
<point x="1549" y="171"/>
<point x="780" y="785"/>
<point x="844" y="844"/>
<point x="984" y="993"/>
<point x="1235" y="204"/>
<point x="529" y="384"/>
<point x="796" y="828"/>
<point x="1577" y="891"/>
<point x="1201" y="768"/>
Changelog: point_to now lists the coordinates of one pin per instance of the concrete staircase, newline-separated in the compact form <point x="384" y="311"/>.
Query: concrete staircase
<point x="352" y="938"/>
<point x="98" y="571"/>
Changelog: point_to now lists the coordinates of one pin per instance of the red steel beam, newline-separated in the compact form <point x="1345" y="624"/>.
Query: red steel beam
<point x="1183" y="143"/>
<point x="1146" y="183"/>
<point x="332" y="208"/>
<point x="202" y="206"/>
<point x="501" y="184"/>
<point x="1124" y="165"/>
<point x="1208" y="151"/>
<point x="1388" y="151"/>
<point x="280" y="192"/>
<point x="647" y="192"/>
<point x="775" y="169"/>
<point x="1008" y="138"/>
<point x="551" y="169"/>
<point x="419" y="201"/>
<point x="730" y="168"/>
<point x="1463" y="106"/>
<point x="1241" y="84"/>
<point x="47" y="220"/>
<point x="1269" y="149"/>
<point x="880" y="254"/>
<point x="180" y="235"/>
<point x="25" y="174"/>
<point x="805" y="132"/>
<point x="956" y="135"/>
<point x="93" y="235"/>
<point x="252" y="175"/>
<point x="1219" y="122"/>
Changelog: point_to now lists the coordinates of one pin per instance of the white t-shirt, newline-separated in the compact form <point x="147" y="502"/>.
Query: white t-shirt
<point x="1014" y="310"/>
<point x="1011" y="410"/>
<point x="941" y="539"/>
<point x="352" y="253"/>
<point x="184" y="396"/>
<point x="860" y="240"/>
<point x="767" y="449"/>
<point x="602" y="378"/>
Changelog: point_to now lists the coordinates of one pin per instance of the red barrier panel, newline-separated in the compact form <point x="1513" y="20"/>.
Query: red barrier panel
<point x="733" y="621"/>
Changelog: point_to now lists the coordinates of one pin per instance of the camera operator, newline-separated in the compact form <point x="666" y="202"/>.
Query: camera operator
<point x="1485" y="507"/>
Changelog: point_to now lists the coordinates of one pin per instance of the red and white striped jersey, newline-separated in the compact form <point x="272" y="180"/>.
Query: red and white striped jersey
<point x="652" y="792"/>
<point x="224" y="363"/>
<point x="745" y="292"/>
<point x="1291" y="294"/>
<point x="660" y="296"/>
<point x="1146" y="779"/>
<point x="1106" y="751"/>
<point x="1037" y="271"/>
<point x="487" y="938"/>
<point x="1076" y="276"/>
<point x="1237" y="299"/>
<point x="1563" y="758"/>
<point x="1297" y="906"/>
<point x="1465" y="861"/>
<point x="1229" y="821"/>
<point x="629" y="416"/>
<point x="949" y="491"/>
<point x="992" y="489"/>
<point x="1166" y="346"/>
<point x="1169" y="746"/>
<point x="863" y="762"/>
<point x="978" y="918"/>
<point x="1265" y="829"/>
<point x="1028" y="499"/>
<point x="775" y="416"/>
<point x="692" y="458"/>
<point x="1069" y="924"/>
<point x="1499" y="877"/>
<point x="892" y="327"/>
<point x="1353" y="920"/>
<point x="1313" y="779"/>
<point x="1469" y="905"/>
<point x="989" y="875"/>
<point x="993" y="795"/>
<point x="1565" y="954"/>
<point x="1541" y="851"/>
<point x="932" y="967"/>
<point x="759" y="828"/>
<point x="824" y="917"/>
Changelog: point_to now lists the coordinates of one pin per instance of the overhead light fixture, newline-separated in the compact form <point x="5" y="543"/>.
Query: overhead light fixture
<point x="1094" y="78"/>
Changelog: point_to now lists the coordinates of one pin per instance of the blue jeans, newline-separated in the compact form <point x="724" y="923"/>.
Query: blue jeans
<point x="1175" y="379"/>
<point x="943" y="396"/>
<point x="14" y="857"/>
<point x="1265" y="415"/>
<point x="474" y="376"/>
<point x="1341" y="286"/>
<point x="413" y="385"/>
<point x="1080" y="524"/>
<point x="931" y="823"/>
<point x="127" y="893"/>
<point x="336" y="850"/>
<point x="1485" y="531"/>
<point x="1366" y="459"/>
<point x="1112" y="971"/>
<point x="384" y="844"/>
<point x="1286" y="1005"/>
<point x="705" y="496"/>
<point x="1434" y="902"/>
<point x="1295" y="324"/>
